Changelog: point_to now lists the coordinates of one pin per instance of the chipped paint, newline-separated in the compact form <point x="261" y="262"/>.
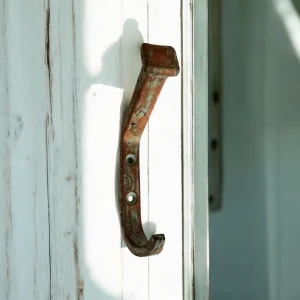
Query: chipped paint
<point x="159" y="62"/>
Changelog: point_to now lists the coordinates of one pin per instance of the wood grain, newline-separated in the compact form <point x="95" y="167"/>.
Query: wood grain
<point x="62" y="147"/>
<point x="67" y="72"/>
<point x="5" y="182"/>
<point x="24" y="226"/>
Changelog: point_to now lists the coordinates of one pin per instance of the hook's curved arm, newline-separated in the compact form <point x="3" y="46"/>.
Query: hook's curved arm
<point x="158" y="63"/>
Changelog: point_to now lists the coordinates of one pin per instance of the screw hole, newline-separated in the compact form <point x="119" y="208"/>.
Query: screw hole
<point x="130" y="159"/>
<point x="211" y="198"/>
<point x="131" y="198"/>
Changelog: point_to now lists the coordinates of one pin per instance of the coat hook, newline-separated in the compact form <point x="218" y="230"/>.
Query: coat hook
<point x="158" y="63"/>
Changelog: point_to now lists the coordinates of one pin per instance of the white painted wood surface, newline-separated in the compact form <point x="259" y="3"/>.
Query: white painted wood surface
<point x="67" y="72"/>
<point x="201" y="252"/>
<point x="24" y="233"/>
<point x="165" y="192"/>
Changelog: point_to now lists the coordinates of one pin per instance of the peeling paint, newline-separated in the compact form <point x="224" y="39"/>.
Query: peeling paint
<point x="79" y="281"/>
<point x="48" y="59"/>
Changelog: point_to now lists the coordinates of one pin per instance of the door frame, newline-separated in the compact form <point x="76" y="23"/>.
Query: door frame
<point x="195" y="149"/>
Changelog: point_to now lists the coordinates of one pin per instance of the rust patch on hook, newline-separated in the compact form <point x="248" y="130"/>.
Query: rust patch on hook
<point x="158" y="63"/>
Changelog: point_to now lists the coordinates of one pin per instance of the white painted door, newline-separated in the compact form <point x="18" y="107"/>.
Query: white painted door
<point x="67" y="72"/>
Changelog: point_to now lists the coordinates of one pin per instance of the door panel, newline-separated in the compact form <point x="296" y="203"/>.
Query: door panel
<point x="165" y="191"/>
<point x="24" y="230"/>
<point x="23" y="181"/>
<point x="67" y="72"/>
<point x="63" y="144"/>
<point x="135" y="270"/>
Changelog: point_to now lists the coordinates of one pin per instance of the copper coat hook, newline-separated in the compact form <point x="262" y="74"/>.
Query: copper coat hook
<point x="158" y="63"/>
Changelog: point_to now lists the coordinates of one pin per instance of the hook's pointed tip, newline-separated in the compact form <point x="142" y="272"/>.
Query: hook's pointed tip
<point x="153" y="247"/>
<point x="156" y="244"/>
<point x="158" y="238"/>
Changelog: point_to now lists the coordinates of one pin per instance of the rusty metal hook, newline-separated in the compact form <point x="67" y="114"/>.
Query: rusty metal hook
<point x="158" y="63"/>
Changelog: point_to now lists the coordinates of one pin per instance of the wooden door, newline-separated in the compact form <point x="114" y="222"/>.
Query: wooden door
<point x="67" y="72"/>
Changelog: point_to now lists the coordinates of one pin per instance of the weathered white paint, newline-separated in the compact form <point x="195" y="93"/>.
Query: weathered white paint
<point x="195" y="155"/>
<point x="101" y="231"/>
<point x="67" y="72"/>
<point x="63" y="145"/>
<point x="24" y="240"/>
<point x="165" y="191"/>
<point x="102" y="99"/>
<point x="200" y="87"/>
<point x="188" y="123"/>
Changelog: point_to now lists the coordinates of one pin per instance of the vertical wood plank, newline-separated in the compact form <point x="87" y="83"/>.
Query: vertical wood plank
<point x="101" y="104"/>
<point x="87" y="92"/>
<point x="135" y="29"/>
<point x="201" y="255"/>
<point x="5" y="189"/>
<point x="63" y="150"/>
<point x="63" y="100"/>
<point x="188" y="133"/>
<point x="24" y="240"/>
<point x="165" y="185"/>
